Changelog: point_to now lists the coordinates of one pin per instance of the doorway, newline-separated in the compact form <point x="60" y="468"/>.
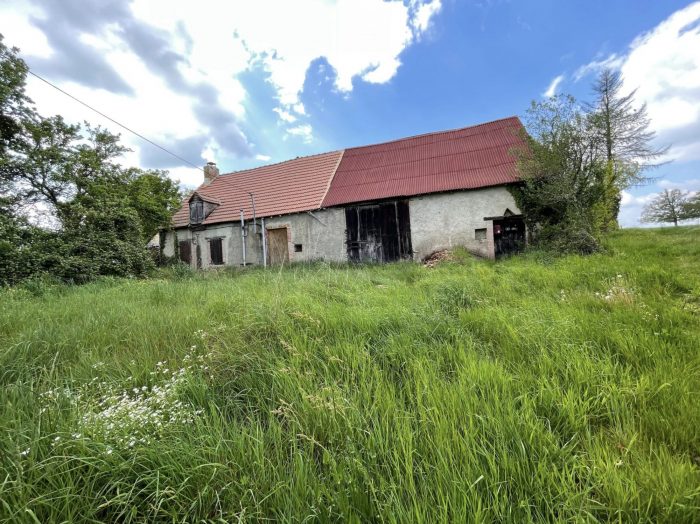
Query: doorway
<point x="508" y="236"/>
<point x="278" y="246"/>
<point x="378" y="232"/>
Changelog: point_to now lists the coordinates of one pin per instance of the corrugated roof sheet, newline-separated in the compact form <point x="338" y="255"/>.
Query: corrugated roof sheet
<point x="468" y="158"/>
<point x="288" y="187"/>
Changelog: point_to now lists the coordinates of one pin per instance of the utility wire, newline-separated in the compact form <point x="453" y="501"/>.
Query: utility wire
<point x="112" y="120"/>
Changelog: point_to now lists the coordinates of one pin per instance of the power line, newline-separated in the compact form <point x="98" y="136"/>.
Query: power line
<point x="113" y="120"/>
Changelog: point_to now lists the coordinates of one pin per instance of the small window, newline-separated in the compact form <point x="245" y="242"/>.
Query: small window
<point x="216" y="252"/>
<point x="480" y="234"/>
<point x="298" y="248"/>
<point x="185" y="251"/>
<point x="196" y="211"/>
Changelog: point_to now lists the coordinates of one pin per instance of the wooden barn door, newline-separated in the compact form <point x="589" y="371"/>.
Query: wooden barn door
<point x="278" y="246"/>
<point x="378" y="232"/>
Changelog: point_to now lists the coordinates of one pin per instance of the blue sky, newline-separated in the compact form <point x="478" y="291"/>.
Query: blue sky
<point x="263" y="81"/>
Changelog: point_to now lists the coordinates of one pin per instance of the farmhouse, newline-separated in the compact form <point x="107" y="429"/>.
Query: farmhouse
<point x="403" y="199"/>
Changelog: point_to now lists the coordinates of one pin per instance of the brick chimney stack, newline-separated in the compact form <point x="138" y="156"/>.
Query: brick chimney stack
<point x="210" y="173"/>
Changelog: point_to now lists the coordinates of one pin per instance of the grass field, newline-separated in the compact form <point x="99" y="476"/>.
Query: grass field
<point x="531" y="389"/>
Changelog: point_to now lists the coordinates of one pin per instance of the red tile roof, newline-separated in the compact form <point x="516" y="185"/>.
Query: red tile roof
<point x="468" y="158"/>
<point x="288" y="187"/>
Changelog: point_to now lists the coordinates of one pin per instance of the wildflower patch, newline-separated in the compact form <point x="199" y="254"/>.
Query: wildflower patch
<point x="124" y="418"/>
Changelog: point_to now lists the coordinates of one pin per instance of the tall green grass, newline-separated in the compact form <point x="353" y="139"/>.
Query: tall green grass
<point x="531" y="389"/>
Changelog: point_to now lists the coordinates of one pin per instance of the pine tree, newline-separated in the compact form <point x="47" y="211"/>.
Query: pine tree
<point x="624" y="141"/>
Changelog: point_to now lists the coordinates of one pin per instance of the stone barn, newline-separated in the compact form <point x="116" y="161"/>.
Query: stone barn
<point x="399" y="200"/>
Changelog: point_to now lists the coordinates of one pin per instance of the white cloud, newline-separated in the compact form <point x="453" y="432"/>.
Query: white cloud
<point x="303" y="131"/>
<point x="263" y="158"/>
<point x="194" y="91"/>
<point x="663" y="65"/>
<point x="631" y="208"/>
<point x="285" y="116"/>
<point x="628" y="199"/>
<point x="553" y="85"/>
<point x="423" y="14"/>
<point x="358" y="38"/>
<point x="613" y="61"/>
<point x="692" y="184"/>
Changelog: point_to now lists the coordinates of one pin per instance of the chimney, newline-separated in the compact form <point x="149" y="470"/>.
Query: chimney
<point x="210" y="173"/>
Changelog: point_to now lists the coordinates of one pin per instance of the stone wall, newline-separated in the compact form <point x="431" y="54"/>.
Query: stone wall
<point x="318" y="235"/>
<point x="446" y="220"/>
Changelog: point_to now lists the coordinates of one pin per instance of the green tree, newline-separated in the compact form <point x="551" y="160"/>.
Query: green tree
<point x="15" y="106"/>
<point x="624" y="140"/>
<point x="668" y="206"/>
<point x="691" y="208"/>
<point x="561" y="175"/>
<point x="101" y="213"/>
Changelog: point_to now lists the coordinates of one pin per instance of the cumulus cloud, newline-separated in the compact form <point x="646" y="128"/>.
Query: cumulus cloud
<point x="553" y="85"/>
<point x="171" y="69"/>
<point x="303" y="131"/>
<point x="692" y="184"/>
<point x="663" y="65"/>
<point x="631" y="207"/>
<point x="424" y="12"/>
<point x="358" y="38"/>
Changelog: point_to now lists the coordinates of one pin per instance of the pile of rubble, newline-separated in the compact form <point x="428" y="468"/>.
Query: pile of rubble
<point x="435" y="258"/>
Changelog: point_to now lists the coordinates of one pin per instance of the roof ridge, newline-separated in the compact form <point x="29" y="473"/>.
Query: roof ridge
<point x="429" y="133"/>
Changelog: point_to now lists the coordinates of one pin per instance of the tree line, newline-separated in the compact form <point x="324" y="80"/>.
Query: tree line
<point x="68" y="207"/>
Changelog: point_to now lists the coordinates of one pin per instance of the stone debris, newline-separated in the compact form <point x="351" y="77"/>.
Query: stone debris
<point x="437" y="257"/>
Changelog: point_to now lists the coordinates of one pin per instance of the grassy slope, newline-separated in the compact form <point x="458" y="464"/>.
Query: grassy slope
<point x="471" y="391"/>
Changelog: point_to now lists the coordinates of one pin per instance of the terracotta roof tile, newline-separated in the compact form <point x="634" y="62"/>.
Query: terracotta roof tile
<point x="288" y="187"/>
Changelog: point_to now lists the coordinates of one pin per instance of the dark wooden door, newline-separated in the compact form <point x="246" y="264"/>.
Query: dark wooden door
<point x="185" y="248"/>
<point x="278" y="247"/>
<point x="378" y="232"/>
<point x="508" y="236"/>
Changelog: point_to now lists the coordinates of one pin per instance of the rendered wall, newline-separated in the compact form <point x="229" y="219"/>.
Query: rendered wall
<point x="448" y="220"/>
<point x="438" y="221"/>
<point x="321" y="236"/>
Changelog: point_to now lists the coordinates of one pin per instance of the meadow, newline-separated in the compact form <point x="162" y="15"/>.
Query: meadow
<point x="537" y="388"/>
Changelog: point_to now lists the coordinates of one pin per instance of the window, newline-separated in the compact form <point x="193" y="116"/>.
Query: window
<point x="216" y="251"/>
<point x="297" y="248"/>
<point x="480" y="234"/>
<point x="196" y="211"/>
<point x="185" y="251"/>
